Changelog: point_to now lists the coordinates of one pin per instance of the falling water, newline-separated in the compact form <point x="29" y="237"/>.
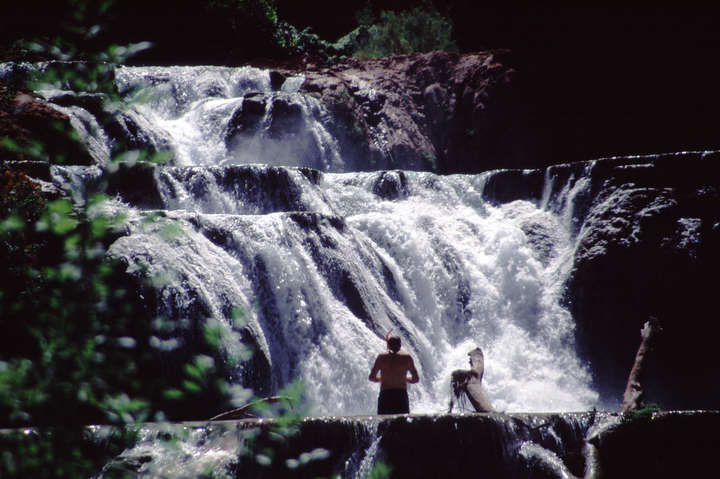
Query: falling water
<point x="324" y="262"/>
<point x="224" y="116"/>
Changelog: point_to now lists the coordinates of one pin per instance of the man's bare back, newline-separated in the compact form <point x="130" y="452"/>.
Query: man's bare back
<point x="393" y="369"/>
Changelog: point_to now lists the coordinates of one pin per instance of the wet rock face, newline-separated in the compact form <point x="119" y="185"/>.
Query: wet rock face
<point x="650" y="246"/>
<point x="541" y="239"/>
<point x="510" y="185"/>
<point x="24" y="119"/>
<point x="273" y="127"/>
<point x="246" y="119"/>
<point x="143" y="191"/>
<point x="126" y="134"/>
<point x="287" y="119"/>
<point x="391" y="185"/>
<point x="665" y="445"/>
<point x="438" y="110"/>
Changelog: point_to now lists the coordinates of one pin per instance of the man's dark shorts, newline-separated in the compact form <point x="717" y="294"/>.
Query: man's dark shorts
<point x="393" y="401"/>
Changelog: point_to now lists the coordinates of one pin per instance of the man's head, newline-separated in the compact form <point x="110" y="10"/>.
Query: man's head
<point x="394" y="344"/>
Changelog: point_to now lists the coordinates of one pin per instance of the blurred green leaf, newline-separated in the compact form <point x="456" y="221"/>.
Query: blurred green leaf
<point x="10" y="144"/>
<point x="191" y="386"/>
<point x="72" y="245"/>
<point x="61" y="206"/>
<point x="380" y="470"/>
<point x="98" y="226"/>
<point x="171" y="231"/>
<point x="173" y="394"/>
<point x="64" y="224"/>
<point x="12" y="223"/>
<point x="194" y="372"/>
<point x="70" y="271"/>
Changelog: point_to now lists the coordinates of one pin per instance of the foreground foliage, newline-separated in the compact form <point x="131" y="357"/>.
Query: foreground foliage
<point x="79" y="343"/>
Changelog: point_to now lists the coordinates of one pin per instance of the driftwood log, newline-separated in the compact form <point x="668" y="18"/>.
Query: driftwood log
<point x="469" y="383"/>
<point x="633" y="397"/>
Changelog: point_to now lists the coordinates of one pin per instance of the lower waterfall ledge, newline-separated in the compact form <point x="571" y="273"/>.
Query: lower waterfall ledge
<point x="592" y="445"/>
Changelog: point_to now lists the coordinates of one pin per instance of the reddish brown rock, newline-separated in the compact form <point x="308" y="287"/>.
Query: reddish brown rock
<point x="26" y="119"/>
<point x="442" y="111"/>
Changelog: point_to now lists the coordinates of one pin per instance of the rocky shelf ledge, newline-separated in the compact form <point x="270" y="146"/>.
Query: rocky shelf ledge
<point x="589" y="444"/>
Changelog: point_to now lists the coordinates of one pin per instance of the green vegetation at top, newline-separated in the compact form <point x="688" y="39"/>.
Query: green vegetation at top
<point x="421" y="29"/>
<point x="258" y="22"/>
<point x="215" y="31"/>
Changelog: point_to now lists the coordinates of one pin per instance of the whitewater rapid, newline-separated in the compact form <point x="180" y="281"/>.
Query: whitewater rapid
<point x="323" y="263"/>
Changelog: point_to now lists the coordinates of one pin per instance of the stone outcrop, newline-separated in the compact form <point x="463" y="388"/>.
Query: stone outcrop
<point x="542" y="446"/>
<point x="441" y="111"/>
<point x="648" y="244"/>
<point x="26" y="120"/>
<point x="657" y="445"/>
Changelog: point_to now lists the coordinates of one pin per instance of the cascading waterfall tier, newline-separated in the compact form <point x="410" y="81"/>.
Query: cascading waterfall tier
<point x="324" y="265"/>
<point x="217" y="116"/>
<point x="264" y="216"/>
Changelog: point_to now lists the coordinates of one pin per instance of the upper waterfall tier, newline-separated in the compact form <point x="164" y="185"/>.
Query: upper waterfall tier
<point x="437" y="111"/>
<point x="216" y="116"/>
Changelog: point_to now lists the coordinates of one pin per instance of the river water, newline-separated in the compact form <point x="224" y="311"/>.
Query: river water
<point x="260" y="214"/>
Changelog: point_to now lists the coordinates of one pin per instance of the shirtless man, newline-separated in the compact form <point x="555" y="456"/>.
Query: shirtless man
<point x="393" y="367"/>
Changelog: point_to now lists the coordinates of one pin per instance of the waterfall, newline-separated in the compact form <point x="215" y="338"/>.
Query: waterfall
<point x="259" y="212"/>
<point x="224" y="116"/>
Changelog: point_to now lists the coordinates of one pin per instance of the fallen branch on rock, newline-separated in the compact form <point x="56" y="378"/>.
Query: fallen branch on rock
<point x="634" y="394"/>
<point x="244" y="411"/>
<point x="633" y="398"/>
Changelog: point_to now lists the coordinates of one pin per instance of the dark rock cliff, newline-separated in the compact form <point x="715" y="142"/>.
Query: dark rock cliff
<point x="648" y="244"/>
<point x="27" y="120"/>
<point x="429" y="111"/>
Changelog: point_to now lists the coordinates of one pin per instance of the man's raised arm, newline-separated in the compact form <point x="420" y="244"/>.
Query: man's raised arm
<point x="373" y="372"/>
<point x="413" y="372"/>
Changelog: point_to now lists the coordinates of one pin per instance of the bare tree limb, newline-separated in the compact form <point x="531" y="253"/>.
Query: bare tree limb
<point x="244" y="411"/>
<point x="634" y="393"/>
